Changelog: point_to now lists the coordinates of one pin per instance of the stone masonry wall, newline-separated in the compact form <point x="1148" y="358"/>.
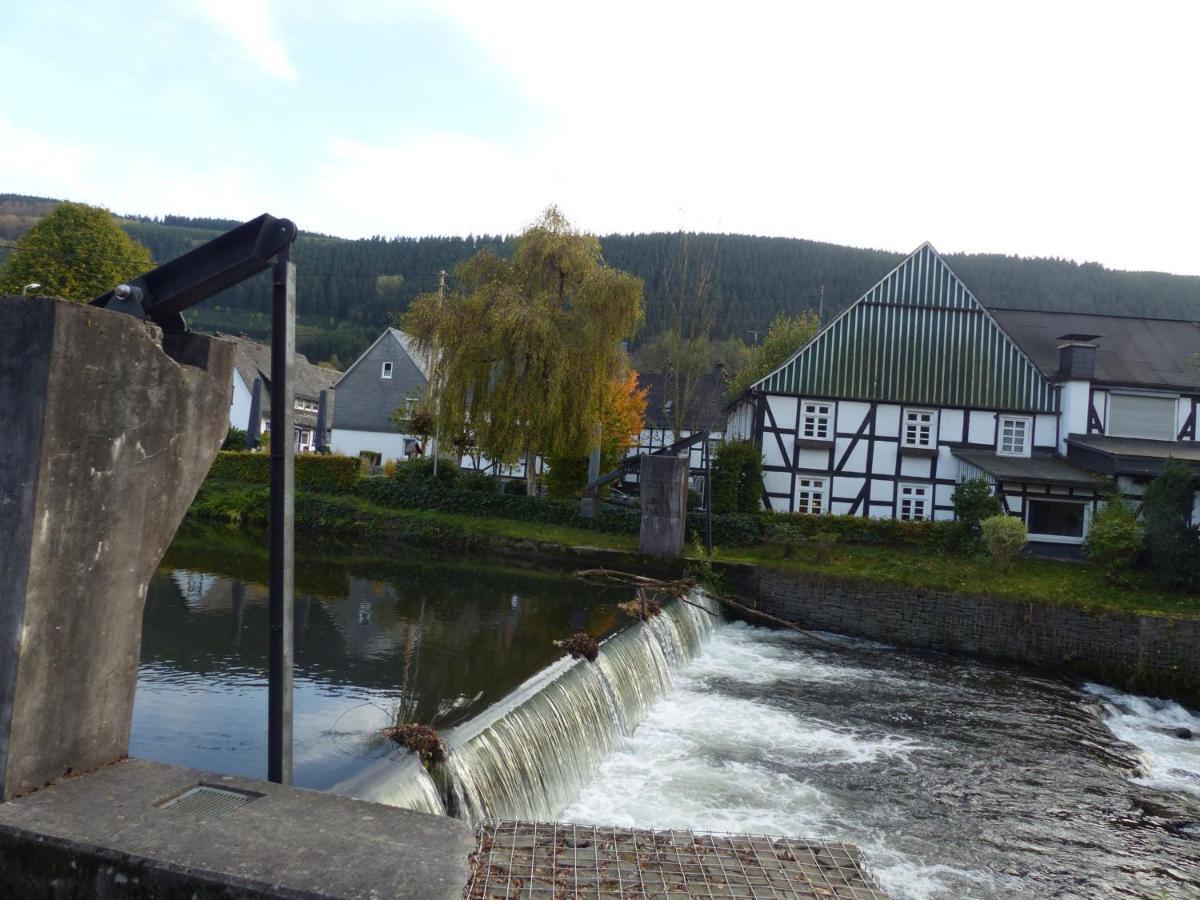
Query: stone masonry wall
<point x="1156" y="654"/>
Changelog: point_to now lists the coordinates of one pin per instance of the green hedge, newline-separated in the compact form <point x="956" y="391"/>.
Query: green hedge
<point x="320" y="472"/>
<point x="468" y="502"/>
<point x="862" y="530"/>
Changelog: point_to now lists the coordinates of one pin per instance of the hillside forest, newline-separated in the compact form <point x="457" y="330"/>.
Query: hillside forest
<point x="349" y="289"/>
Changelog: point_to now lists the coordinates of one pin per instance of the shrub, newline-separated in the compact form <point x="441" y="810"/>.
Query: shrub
<point x="863" y="530"/>
<point x="1115" y="540"/>
<point x="567" y="477"/>
<point x="737" y="478"/>
<point x="973" y="502"/>
<point x="389" y="469"/>
<point x="320" y="472"/>
<point x="515" y="487"/>
<point x="480" y="482"/>
<point x="420" y="469"/>
<point x="1004" y="537"/>
<point x="235" y="439"/>
<point x="1172" y="545"/>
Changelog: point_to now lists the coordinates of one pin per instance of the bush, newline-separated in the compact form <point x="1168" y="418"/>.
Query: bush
<point x="730" y="530"/>
<point x="1004" y="537"/>
<point x="973" y="502"/>
<point x="420" y="469"/>
<point x="804" y="529"/>
<point x="1115" y="540"/>
<point x="1172" y="545"/>
<point x="320" y="472"/>
<point x="737" y="483"/>
<point x="235" y="439"/>
<point x="567" y="477"/>
<point x="480" y="482"/>
<point x="515" y="487"/>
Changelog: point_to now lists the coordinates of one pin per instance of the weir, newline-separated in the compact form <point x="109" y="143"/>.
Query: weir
<point x="528" y="756"/>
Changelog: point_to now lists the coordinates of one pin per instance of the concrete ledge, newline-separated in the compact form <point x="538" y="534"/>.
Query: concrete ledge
<point x="106" y="835"/>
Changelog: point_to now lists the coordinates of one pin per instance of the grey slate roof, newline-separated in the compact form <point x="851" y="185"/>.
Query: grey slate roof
<point x="1130" y="351"/>
<point x="366" y="400"/>
<point x="1130" y="456"/>
<point x="1036" y="469"/>
<point x="253" y="360"/>
<point x="706" y="406"/>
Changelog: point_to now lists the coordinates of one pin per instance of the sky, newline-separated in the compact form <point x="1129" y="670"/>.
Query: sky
<point x="1065" y="129"/>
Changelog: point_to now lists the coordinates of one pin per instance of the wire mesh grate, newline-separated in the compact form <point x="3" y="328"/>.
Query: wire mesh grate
<point x="534" y="860"/>
<point x="207" y="802"/>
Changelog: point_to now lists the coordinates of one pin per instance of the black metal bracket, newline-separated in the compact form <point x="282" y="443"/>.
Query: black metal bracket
<point x="161" y="295"/>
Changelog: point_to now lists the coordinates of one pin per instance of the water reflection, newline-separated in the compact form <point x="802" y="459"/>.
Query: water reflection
<point x="375" y="635"/>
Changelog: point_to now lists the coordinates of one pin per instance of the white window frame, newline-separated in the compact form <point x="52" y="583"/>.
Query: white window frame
<point x="1057" y="538"/>
<point x="1026" y="445"/>
<point x="925" y="499"/>
<point x="815" y="494"/>
<point x="817" y="416"/>
<point x="932" y="425"/>
<point x="385" y="371"/>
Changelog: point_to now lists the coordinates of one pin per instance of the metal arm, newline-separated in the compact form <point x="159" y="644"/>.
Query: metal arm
<point x="162" y="294"/>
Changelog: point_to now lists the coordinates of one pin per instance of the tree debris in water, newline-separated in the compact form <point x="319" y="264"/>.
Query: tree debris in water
<point x="420" y="739"/>
<point x="645" y="607"/>
<point x="580" y="646"/>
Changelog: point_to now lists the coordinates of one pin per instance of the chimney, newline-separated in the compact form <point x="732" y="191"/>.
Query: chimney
<point x="1077" y="356"/>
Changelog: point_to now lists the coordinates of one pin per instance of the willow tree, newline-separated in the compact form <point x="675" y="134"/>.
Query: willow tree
<point x="526" y="348"/>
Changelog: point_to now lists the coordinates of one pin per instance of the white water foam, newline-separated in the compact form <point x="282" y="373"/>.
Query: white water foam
<point x="1169" y="762"/>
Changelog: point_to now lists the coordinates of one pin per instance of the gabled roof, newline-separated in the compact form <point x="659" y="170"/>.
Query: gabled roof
<point x="705" y="408"/>
<point x="917" y="336"/>
<point x="406" y="341"/>
<point x="1133" y="352"/>
<point x="253" y="360"/>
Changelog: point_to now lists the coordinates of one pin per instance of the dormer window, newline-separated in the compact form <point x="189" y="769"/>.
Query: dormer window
<point x="920" y="429"/>
<point x="386" y="372"/>
<point x="1014" y="437"/>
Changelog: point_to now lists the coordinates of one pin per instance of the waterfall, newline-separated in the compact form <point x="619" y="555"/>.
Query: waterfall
<point x="528" y="756"/>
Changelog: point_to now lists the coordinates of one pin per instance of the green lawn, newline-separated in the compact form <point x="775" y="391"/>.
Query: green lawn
<point x="1030" y="579"/>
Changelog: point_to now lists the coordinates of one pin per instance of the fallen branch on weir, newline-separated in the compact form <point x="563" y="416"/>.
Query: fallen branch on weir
<point x="679" y="588"/>
<point x="580" y="645"/>
<point x="420" y="739"/>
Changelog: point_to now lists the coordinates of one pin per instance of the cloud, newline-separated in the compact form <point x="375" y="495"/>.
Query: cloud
<point x="39" y="164"/>
<point x="248" y="22"/>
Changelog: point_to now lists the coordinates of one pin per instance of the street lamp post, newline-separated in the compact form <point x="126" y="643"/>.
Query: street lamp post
<point x="32" y="286"/>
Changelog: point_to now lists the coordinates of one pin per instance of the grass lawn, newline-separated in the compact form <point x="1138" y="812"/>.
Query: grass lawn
<point x="521" y="530"/>
<point x="1030" y="579"/>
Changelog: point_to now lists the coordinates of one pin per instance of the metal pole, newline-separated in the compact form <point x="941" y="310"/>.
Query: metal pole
<point x="707" y="496"/>
<point x="283" y="354"/>
<point x="441" y="295"/>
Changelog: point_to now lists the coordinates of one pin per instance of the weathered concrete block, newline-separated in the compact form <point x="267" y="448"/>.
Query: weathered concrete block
<point x="109" y="438"/>
<point x="663" y="484"/>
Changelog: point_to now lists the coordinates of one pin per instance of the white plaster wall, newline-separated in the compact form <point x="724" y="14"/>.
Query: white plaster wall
<point x="1044" y="425"/>
<point x="887" y="420"/>
<point x="352" y="443"/>
<point x="1076" y="400"/>
<point x="950" y="425"/>
<point x="850" y="414"/>
<point x="982" y="428"/>
<point x="784" y="410"/>
<point x="239" y="407"/>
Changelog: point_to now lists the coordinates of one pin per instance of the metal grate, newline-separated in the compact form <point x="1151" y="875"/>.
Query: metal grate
<point x="534" y="860"/>
<point x="207" y="802"/>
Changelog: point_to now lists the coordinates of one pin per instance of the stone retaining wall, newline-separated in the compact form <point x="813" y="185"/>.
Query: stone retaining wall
<point x="1156" y="654"/>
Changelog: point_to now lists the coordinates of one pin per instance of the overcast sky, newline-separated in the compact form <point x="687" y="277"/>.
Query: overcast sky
<point x="1044" y="128"/>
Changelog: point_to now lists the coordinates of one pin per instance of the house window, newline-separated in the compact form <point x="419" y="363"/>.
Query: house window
<point x="914" y="502"/>
<point x="816" y="421"/>
<point x="1056" y="521"/>
<point x="810" y="496"/>
<point x="387" y="370"/>
<point x="920" y="428"/>
<point x="410" y="405"/>
<point x="1139" y="415"/>
<point x="1014" y="437"/>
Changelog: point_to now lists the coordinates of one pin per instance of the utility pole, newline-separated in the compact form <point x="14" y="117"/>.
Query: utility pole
<point x="821" y="306"/>
<point x="432" y="371"/>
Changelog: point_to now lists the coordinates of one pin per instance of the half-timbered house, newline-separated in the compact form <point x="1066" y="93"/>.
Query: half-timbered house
<point x="917" y="386"/>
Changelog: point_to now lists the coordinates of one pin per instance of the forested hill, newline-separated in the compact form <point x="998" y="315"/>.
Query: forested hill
<point x="348" y="289"/>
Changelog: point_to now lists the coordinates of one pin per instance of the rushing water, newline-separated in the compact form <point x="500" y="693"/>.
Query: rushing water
<point x="958" y="780"/>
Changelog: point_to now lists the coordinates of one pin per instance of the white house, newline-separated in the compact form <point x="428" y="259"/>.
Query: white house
<point x="252" y="361"/>
<point x="917" y="386"/>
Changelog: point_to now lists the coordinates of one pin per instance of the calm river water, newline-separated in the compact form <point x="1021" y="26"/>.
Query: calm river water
<point x="958" y="780"/>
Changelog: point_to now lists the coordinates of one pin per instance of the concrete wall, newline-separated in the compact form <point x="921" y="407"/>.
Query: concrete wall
<point x="1148" y="653"/>
<point x="109" y="440"/>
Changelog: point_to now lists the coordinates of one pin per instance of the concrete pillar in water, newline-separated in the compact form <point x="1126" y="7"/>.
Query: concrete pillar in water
<point x="110" y="430"/>
<point x="663" y="483"/>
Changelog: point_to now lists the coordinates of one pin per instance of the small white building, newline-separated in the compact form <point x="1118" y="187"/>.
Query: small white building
<point x="252" y="361"/>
